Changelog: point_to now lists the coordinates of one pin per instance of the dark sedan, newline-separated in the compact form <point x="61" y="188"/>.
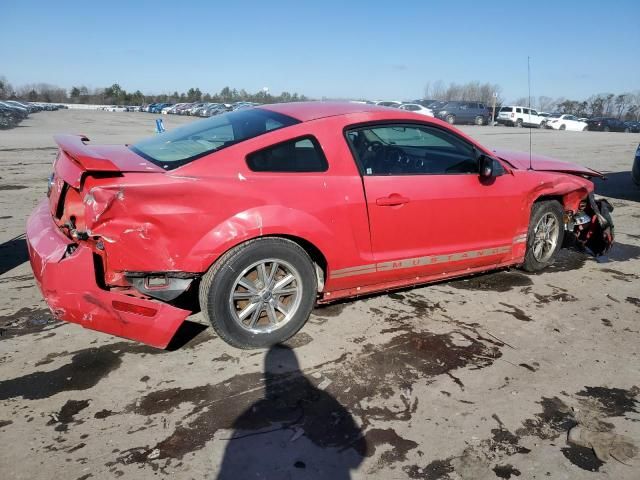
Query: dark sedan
<point x="635" y="170"/>
<point x="605" y="124"/>
<point x="634" y="127"/>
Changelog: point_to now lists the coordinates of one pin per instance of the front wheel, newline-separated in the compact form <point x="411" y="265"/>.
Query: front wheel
<point x="479" y="120"/>
<point x="259" y="293"/>
<point x="563" y="127"/>
<point x="545" y="236"/>
<point x="451" y="119"/>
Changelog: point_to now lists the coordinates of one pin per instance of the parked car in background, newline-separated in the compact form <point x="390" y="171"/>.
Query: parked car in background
<point x="456" y="112"/>
<point x="558" y="121"/>
<point x="518" y="116"/>
<point x="635" y="170"/>
<point x="19" y="111"/>
<point x="159" y="106"/>
<point x="388" y="103"/>
<point x="634" y="127"/>
<point x="9" y="117"/>
<point x="184" y="108"/>
<point x="28" y="107"/>
<point x="417" y="108"/>
<point x="194" y="106"/>
<point x="261" y="252"/>
<point x="424" y="102"/>
<point x="213" y="109"/>
<point x="607" y="124"/>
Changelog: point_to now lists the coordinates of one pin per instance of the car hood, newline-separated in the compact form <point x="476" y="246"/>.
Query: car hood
<point x="520" y="160"/>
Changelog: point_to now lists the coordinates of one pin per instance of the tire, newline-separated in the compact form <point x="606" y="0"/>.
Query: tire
<point x="543" y="213"/>
<point x="451" y="119"/>
<point x="585" y="129"/>
<point x="606" y="129"/>
<point x="519" y="123"/>
<point x="563" y="127"/>
<point x="626" y="130"/>
<point x="542" y="125"/>
<point x="479" y="120"/>
<point x="221" y="285"/>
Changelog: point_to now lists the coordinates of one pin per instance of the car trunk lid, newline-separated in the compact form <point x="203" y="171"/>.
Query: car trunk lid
<point x="76" y="161"/>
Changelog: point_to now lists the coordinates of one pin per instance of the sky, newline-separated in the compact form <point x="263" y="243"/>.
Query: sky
<point x="337" y="49"/>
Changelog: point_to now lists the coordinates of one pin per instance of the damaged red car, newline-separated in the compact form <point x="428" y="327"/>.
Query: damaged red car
<point x="262" y="213"/>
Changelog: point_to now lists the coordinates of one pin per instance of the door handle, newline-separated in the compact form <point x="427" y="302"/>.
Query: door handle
<point x="392" y="200"/>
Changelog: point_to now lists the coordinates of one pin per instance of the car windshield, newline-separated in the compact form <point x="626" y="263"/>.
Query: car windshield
<point x="185" y="144"/>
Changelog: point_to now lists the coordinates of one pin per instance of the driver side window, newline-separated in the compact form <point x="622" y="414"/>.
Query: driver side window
<point x="411" y="150"/>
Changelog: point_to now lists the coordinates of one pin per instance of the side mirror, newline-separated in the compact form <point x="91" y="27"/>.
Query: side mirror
<point x="486" y="166"/>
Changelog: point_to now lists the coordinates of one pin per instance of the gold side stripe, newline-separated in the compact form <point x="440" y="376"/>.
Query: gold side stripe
<point x="418" y="261"/>
<point x="520" y="238"/>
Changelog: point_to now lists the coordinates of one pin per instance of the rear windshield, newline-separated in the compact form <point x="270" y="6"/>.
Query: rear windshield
<point x="506" y="109"/>
<point x="184" y="144"/>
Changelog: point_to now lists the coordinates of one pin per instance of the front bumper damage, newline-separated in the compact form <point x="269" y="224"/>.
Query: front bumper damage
<point x="593" y="226"/>
<point x="66" y="274"/>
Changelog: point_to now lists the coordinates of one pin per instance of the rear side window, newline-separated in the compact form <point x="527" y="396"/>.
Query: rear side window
<point x="298" y="155"/>
<point x="506" y="109"/>
<point x="184" y="144"/>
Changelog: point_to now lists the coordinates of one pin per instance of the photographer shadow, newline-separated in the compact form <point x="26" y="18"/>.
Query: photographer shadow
<point x="296" y="431"/>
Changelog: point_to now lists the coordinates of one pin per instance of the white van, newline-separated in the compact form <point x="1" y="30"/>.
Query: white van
<point x="520" y="117"/>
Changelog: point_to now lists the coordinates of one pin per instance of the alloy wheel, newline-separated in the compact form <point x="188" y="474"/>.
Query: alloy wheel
<point x="266" y="295"/>
<point x="545" y="237"/>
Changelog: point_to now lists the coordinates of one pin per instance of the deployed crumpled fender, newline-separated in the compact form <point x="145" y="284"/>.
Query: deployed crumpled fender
<point x="598" y="235"/>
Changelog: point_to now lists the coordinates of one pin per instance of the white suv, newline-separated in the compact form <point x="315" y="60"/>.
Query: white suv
<point x="520" y="117"/>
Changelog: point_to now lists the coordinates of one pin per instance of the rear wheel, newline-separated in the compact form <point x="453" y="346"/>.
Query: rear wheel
<point x="545" y="236"/>
<point x="479" y="120"/>
<point x="563" y="127"/>
<point x="519" y="123"/>
<point x="606" y="129"/>
<point x="626" y="130"/>
<point x="585" y="129"/>
<point x="451" y="119"/>
<point x="259" y="293"/>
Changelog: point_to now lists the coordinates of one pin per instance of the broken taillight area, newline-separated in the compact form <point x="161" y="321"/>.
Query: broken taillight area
<point x="593" y="226"/>
<point x="165" y="286"/>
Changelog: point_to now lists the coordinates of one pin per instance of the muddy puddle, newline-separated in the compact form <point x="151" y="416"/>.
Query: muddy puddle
<point x="374" y="384"/>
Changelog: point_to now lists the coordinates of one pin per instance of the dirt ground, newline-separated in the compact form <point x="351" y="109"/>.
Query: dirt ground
<point x="473" y="379"/>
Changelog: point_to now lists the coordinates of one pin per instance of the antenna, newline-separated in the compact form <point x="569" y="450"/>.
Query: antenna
<point x="529" y="85"/>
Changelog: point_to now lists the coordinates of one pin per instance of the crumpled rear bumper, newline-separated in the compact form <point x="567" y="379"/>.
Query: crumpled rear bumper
<point x="68" y="284"/>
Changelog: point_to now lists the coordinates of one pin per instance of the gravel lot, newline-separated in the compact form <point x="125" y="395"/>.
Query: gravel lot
<point x="473" y="379"/>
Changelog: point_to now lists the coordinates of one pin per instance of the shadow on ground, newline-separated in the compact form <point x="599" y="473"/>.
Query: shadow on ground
<point x="618" y="185"/>
<point x="13" y="253"/>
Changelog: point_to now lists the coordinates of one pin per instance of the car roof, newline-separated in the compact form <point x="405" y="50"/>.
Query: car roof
<point x="306" y="111"/>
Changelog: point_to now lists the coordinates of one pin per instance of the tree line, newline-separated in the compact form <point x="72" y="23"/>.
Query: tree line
<point x="116" y="95"/>
<point x="625" y="106"/>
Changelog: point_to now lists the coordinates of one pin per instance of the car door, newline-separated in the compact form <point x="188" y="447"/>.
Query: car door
<point x="535" y="118"/>
<point x="429" y="211"/>
<point x="571" y="122"/>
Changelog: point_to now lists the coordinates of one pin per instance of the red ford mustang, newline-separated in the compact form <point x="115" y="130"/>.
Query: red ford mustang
<point x="268" y="211"/>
